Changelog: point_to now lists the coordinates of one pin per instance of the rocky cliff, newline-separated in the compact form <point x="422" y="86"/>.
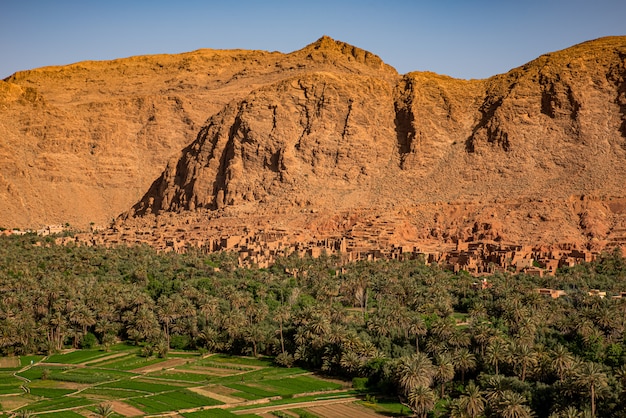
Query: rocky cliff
<point x="536" y="154"/>
<point x="81" y="143"/>
<point x="539" y="137"/>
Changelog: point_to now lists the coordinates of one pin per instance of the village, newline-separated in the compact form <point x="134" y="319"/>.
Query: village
<point x="261" y="248"/>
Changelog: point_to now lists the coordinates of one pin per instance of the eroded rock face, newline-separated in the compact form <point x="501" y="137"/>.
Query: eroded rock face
<point x="299" y="141"/>
<point x="326" y="130"/>
<point x="544" y="132"/>
<point x="81" y="143"/>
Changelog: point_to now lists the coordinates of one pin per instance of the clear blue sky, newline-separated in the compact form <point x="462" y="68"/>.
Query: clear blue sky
<point x="460" y="38"/>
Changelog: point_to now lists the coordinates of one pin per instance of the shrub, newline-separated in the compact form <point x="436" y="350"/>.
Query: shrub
<point x="147" y="350"/>
<point x="284" y="360"/>
<point x="359" y="383"/>
<point x="88" y="341"/>
<point x="179" y="342"/>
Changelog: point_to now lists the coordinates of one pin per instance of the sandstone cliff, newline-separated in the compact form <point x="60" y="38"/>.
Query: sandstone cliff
<point x="81" y="143"/>
<point x="330" y="132"/>
<point x="537" y="138"/>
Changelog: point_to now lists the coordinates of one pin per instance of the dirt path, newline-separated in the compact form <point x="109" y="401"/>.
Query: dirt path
<point x="323" y="402"/>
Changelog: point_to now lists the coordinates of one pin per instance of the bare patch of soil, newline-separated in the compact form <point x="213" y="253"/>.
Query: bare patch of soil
<point x="343" y="411"/>
<point x="167" y="364"/>
<point x="9" y="362"/>
<point x="217" y="396"/>
<point x="125" y="409"/>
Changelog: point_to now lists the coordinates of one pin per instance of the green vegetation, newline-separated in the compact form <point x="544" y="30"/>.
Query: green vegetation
<point x="28" y="360"/>
<point x="173" y="400"/>
<point x="139" y="385"/>
<point x="129" y="362"/>
<point x="76" y="357"/>
<point x="405" y="330"/>
<point x="50" y="392"/>
<point x="57" y="403"/>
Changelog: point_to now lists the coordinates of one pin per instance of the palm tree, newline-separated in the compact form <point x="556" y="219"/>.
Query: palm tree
<point x="496" y="386"/>
<point x="496" y="353"/>
<point x="512" y="405"/>
<point x="455" y="409"/>
<point x="282" y="314"/>
<point x="351" y="362"/>
<point x="463" y="361"/>
<point x="523" y="358"/>
<point x="417" y="327"/>
<point x="591" y="376"/>
<point x="254" y="334"/>
<point x="481" y="333"/>
<point x="472" y="401"/>
<point x="413" y="371"/>
<point x="167" y="311"/>
<point x="561" y="361"/>
<point x="421" y="400"/>
<point x="569" y="412"/>
<point x="444" y="370"/>
<point x="104" y="410"/>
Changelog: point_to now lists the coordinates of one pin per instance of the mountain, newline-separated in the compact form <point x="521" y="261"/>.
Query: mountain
<point x="322" y="140"/>
<point x="545" y="141"/>
<point x="81" y="143"/>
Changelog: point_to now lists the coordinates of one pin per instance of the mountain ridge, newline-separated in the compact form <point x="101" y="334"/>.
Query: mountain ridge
<point x="324" y="129"/>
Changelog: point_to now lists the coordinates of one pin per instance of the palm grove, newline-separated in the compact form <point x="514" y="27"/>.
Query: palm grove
<point x="401" y="329"/>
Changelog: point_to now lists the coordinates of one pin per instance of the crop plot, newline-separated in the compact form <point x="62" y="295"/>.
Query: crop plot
<point x="72" y="384"/>
<point x="179" y="376"/>
<point x="66" y="402"/>
<point x="128" y="362"/>
<point x="76" y="356"/>
<point x="9" y="362"/>
<point x="140" y="386"/>
<point x="9" y="384"/>
<point x="104" y="393"/>
<point x="342" y="410"/>
<point x="173" y="400"/>
<point x="50" y="392"/>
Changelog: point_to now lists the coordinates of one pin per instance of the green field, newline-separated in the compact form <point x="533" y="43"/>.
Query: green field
<point x="74" y="383"/>
<point x="57" y="403"/>
<point x="128" y="362"/>
<point x="77" y="357"/>
<point x="172" y="400"/>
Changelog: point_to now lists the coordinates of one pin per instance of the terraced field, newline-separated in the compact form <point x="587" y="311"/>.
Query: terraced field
<point x="74" y="383"/>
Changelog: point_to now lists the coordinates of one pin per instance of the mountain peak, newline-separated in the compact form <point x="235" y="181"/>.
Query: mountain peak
<point x="329" y="49"/>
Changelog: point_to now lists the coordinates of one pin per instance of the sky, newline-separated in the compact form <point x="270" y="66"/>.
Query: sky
<point x="460" y="38"/>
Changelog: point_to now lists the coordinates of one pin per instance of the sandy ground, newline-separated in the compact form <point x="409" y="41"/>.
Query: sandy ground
<point x="12" y="402"/>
